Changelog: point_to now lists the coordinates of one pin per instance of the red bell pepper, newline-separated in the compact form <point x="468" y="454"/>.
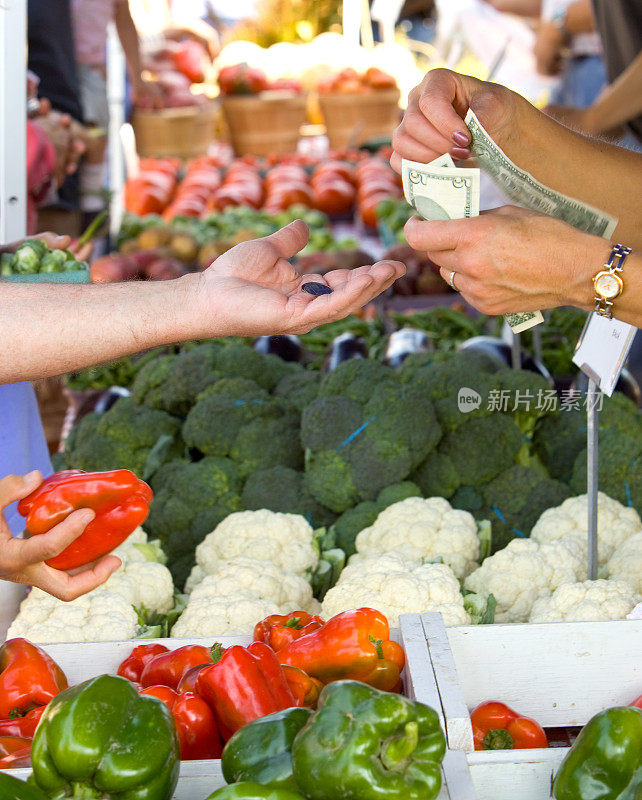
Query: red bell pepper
<point x="119" y="499"/>
<point x="498" y="727"/>
<point x="247" y="683"/>
<point x="306" y="690"/>
<point x="353" y="645"/>
<point x="23" y="727"/>
<point x="15" y="751"/>
<point x="279" y="630"/>
<point x="195" y="722"/>
<point x="637" y="703"/>
<point x="28" y="678"/>
<point x="132" y="667"/>
<point x="167" y="669"/>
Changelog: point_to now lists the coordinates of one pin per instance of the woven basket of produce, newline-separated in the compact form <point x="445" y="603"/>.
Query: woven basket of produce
<point x="175" y="132"/>
<point x="265" y="123"/>
<point x="352" y="119"/>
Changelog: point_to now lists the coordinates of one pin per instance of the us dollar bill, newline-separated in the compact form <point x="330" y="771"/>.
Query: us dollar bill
<point x="521" y="187"/>
<point x="441" y="191"/>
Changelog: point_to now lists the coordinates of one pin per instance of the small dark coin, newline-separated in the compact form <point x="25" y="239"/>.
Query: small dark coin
<point x="316" y="289"/>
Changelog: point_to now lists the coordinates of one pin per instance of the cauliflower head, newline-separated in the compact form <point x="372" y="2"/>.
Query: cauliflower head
<point x="144" y="583"/>
<point x="286" y="540"/>
<point x="260" y="579"/>
<point x="395" y="584"/>
<point x="217" y="615"/>
<point x="615" y="524"/>
<point x="626" y="562"/>
<point x="424" y="530"/>
<point x="590" y="601"/>
<point x="100" y="616"/>
<point x="523" y="572"/>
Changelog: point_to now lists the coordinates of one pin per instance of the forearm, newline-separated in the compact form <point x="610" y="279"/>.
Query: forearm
<point x="50" y="329"/>
<point x="579" y="17"/>
<point x="619" y="102"/>
<point x="128" y="36"/>
<point x="603" y="175"/>
<point x="525" y="8"/>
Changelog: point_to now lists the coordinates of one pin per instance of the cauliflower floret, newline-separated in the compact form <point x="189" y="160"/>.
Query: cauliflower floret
<point x="286" y="540"/>
<point x="615" y="524"/>
<point x="144" y="583"/>
<point x="218" y="615"/>
<point x="590" y="601"/>
<point x="136" y="547"/>
<point x="99" y="616"/>
<point x="259" y="579"/>
<point x="395" y="584"/>
<point x="626" y="562"/>
<point x="425" y="530"/>
<point x="524" y="571"/>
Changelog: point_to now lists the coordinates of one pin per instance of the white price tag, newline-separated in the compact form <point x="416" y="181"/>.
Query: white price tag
<point x="602" y="350"/>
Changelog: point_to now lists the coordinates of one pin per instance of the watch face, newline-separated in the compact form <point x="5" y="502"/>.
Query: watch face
<point x="608" y="285"/>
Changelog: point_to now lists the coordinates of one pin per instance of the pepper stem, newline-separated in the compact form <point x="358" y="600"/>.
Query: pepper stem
<point x="293" y="622"/>
<point x="216" y="652"/>
<point x="15" y="713"/>
<point x="498" y="739"/>
<point x="378" y="643"/>
<point x="81" y="791"/>
<point x="399" y="749"/>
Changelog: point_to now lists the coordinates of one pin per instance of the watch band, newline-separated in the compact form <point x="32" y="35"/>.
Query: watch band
<point x="614" y="265"/>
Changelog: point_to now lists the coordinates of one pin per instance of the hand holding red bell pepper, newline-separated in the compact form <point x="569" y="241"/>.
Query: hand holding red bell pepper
<point x="167" y="669"/>
<point x="28" y="678"/>
<point x="247" y="683"/>
<point x="119" y="499"/>
<point x="353" y="645"/>
<point x="498" y="727"/>
<point x="278" y="630"/>
<point x="195" y="723"/>
<point x="132" y="667"/>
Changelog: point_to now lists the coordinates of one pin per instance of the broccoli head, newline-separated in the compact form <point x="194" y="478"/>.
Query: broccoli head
<point x="222" y="410"/>
<point x="467" y="499"/>
<point x="526" y="392"/>
<point x="617" y="455"/>
<point x="265" y="443"/>
<point x="327" y="422"/>
<point x="329" y="480"/>
<point x="283" y="489"/>
<point x="147" y="388"/>
<point x="482" y="448"/>
<point x="299" y="388"/>
<point x="356" y="379"/>
<point x="191" y="500"/>
<point x="515" y="500"/>
<point x="396" y="493"/>
<point x="190" y="373"/>
<point x="240" y="361"/>
<point x="128" y="436"/>
<point x="436" y="476"/>
<point x="352" y="522"/>
<point x="557" y="441"/>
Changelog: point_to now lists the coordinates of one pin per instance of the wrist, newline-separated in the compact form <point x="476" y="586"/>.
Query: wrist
<point x="590" y="256"/>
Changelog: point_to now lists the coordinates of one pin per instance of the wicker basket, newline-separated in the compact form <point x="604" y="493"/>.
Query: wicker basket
<point x="175" y="132"/>
<point x="352" y="119"/>
<point x="265" y="123"/>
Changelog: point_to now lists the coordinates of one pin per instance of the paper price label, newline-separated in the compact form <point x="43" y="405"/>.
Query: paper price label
<point x="602" y="350"/>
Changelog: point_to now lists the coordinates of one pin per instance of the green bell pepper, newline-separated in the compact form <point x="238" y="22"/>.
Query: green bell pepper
<point x="261" y="750"/>
<point x="605" y="761"/>
<point x="363" y="744"/>
<point x="101" y="739"/>
<point x="253" y="791"/>
<point x="13" y="789"/>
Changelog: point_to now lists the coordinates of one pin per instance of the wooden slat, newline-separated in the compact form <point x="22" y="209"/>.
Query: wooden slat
<point x="512" y="774"/>
<point x="419" y="677"/>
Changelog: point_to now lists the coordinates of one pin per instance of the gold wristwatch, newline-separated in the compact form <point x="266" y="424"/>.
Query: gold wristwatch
<point x="608" y="283"/>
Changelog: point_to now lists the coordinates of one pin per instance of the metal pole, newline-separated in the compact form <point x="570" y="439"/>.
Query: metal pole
<point x="516" y="351"/>
<point x="537" y="343"/>
<point x="592" y="428"/>
<point x="13" y="120"/>
<point x="116" y="97"/>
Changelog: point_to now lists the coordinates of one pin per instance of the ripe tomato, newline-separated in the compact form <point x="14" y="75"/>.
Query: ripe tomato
<point x="379" y="79"/>
<point x="290" y="194"/>
<point x="283" y="174"/>
<point x="340" y="168"/>
<point x="334" y="196"/>
<point x="368" y="208"/>
<point x="228" y="196"/>
<point x="207" y="178"/>
<point x="376" y="184"/>
<point x="141" y="199"/>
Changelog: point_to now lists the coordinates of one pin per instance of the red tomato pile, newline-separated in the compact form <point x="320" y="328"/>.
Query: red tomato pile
<point x="286" y="185"/>
<point x="349" y="81"/>
<point x="150" y="193"/>
<point x="243" y="79"/>
<point x="201" y="180"/>
<point x="376" y="181"/>
<point x="242" y="186"/>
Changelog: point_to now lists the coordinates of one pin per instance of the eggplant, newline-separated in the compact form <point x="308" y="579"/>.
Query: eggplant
<point x="403" y="343"/>
<point x="500" y="353"/>
<point x="287" y="347"/>
<point x="344" y="347"/>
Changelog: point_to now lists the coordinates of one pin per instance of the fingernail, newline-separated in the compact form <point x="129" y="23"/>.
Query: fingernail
<point x="461" y="153"/>
<point x="461" y="138"/>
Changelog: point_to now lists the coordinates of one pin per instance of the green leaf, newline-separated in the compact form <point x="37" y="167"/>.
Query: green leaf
<point x="485" y="535"/>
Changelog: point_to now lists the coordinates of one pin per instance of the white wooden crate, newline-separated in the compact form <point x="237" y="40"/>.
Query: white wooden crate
<point x="81" y="661"/>
<point x="561" y="674"/>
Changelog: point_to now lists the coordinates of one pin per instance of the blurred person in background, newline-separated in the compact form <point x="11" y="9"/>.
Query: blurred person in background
<point x="90" y="22"/>
<point x="619" y="23"/>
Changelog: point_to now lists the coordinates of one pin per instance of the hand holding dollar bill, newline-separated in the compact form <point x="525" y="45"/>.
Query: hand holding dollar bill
<point x="440" y="191"/>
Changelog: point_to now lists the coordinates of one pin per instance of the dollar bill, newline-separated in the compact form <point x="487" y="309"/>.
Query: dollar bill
<point x="438" y="191"/>
<point x="521" y="187"/>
